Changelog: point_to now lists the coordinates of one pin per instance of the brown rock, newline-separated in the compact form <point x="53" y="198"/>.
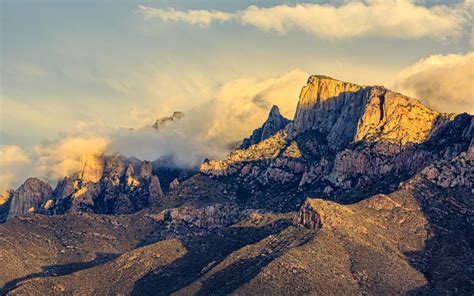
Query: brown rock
<point x="29" y="197"/>
<point x="307" y="216"/>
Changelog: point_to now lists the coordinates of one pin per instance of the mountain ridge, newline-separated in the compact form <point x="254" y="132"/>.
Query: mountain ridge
<point x="365" y="191"/>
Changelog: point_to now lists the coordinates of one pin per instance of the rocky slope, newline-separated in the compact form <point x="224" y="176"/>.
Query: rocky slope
<point x="415" y="240"/>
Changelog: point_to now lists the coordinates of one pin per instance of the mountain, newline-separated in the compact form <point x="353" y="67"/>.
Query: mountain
<point x="347" y="142"/>
<point x="364" y="191"/>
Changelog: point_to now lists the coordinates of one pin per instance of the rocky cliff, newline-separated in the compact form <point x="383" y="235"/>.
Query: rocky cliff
<point x="345" y="112"/>
<point x="347" y="139"/>
<point x="29" y="197"/>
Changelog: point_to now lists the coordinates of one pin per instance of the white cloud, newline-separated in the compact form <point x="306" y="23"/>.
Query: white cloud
<point x="12" y="154"/>
<point x="194" y="17"/>
<point x="443" y="82"/>
<point x="210" y="126"/>
<point x="14" y="161"/>
<point x="402" y="19"/>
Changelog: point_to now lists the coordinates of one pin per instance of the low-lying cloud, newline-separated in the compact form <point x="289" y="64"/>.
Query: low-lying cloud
<point x="443" y="82"/>
<point x="49" y="162"/>
<point x="401" y="19"/>
<point x="207" y="130"/>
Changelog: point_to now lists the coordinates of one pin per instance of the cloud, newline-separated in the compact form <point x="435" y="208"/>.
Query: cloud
<point x="14" y="162"/>
<point x="243" y="104"/>
<point x="54" y="160"/>
<point x="194" y="17"/>
<point x="67" y="156"/>
<point x="12" y="154"/>
<point x="402" y="19"/>
<point x="231" y="112"/>
<point x="210" y="126"/>
<point x="443" y="82"/>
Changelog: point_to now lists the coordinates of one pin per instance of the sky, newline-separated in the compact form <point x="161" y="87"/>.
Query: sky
<point x="79" y="75"/>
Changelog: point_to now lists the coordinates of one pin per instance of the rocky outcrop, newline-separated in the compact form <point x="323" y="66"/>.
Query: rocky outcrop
<point x="174" y="184"/>
<point x="457" y="173"/>
<point x="274" y="123"/>
<point x="92" y="168"/>
<point x="155" y="191"/>
<point x="265" y="150"/>
<point x="106" y="185"/>
<point x="29" y="197"/>
<point x="126" y="186"/>
<point x="210" y="217"/>
<point x="307" y="216"/>
<point x="347" y="112"/>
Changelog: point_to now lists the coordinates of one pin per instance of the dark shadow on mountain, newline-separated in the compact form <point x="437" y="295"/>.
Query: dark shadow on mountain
<point x="226" y="281"/>
<point x="203" y="252"/>
<point x="447" y="260"/>
<point x="59" y="270"/>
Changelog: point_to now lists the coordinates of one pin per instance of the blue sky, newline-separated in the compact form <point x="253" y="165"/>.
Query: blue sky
<point x="66" y="65"/>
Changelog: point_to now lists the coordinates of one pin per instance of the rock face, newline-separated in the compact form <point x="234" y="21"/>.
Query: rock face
<point x="29" y="197"/>
<point x="346" y="112"/>
<point x="125" y="186"/>
<point x="174" y="184"/>
<point x="457" y="173"/>
<point x="105" y="185"/>
<point x="274" y="123"/>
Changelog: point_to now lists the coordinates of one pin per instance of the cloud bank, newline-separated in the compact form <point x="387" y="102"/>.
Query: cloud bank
<point x="443" y="82"/>
<point x="208" y="129"/>
<point x="49" y="162"/>
<point x="402" y="19"/>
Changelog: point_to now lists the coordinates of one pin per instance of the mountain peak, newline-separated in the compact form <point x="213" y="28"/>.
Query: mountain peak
<point x="29" y="197"/>
<point x="348" y="112"/>
<point x="274" y="123"/>
<point x="274" y="111"/>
